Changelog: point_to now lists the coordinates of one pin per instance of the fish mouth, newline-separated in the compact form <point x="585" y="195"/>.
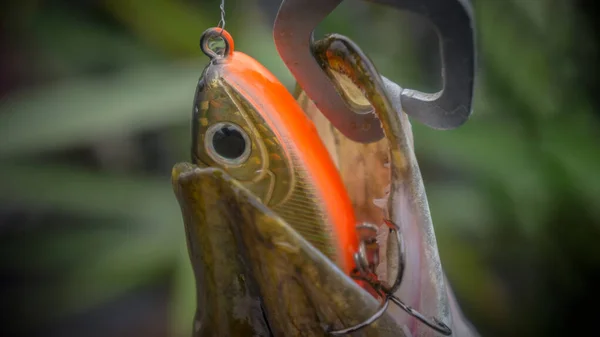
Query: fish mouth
<point x="256" y="276"/>
<point x="404" y="200"/>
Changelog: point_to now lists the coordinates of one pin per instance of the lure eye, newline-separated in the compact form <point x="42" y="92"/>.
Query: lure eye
<point x="227" y="143"/>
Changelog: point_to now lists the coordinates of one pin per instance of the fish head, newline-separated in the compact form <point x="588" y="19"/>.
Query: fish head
<point x="271" y="244"/>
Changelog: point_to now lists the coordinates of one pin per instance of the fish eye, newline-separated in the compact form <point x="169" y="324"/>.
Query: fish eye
<point x="227" y="143"/>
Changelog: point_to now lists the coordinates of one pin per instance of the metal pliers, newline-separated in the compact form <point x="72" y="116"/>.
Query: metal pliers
<point x="447" y="109"/>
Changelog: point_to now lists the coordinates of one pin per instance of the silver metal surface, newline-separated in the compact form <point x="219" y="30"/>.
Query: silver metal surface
<point x="446" y="109"/>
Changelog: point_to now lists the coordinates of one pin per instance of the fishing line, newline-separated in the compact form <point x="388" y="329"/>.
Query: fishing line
<point x="221" y="23"/>
<point x="207" y="40"/>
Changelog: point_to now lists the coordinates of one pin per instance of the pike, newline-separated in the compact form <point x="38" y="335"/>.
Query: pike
<point x="270" y="203"/>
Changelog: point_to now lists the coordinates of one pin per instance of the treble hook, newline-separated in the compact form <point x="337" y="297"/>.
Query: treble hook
<point x="387" y="293"/>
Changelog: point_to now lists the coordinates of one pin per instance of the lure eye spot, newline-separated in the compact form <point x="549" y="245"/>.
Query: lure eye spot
<point x="227" y="144"/>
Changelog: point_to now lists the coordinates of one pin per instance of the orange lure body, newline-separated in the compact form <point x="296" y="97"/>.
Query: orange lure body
<point x="286" y="164"/>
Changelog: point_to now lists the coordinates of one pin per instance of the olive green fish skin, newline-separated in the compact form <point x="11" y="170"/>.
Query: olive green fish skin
<point x="227" y="306"/>
<point x="251" y="265"/>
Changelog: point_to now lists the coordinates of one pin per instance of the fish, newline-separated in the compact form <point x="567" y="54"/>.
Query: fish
<point x="248" y="124"/>
<point x="384" y="181"/>
<point x="258" y="272"/>
<point x="269" y="227"/>
<point x="255" y="274"/>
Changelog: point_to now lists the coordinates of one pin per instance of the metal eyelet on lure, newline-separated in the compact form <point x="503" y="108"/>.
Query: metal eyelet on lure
<point x="213" y="33"/>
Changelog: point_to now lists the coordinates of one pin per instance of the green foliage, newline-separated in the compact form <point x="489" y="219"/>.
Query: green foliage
<point x="494" y="184"/>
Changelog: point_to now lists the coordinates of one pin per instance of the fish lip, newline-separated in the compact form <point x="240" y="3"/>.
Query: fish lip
<point x="227" y="290"/>
<point x="422" y="286"/>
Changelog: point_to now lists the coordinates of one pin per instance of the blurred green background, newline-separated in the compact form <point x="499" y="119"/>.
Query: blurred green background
<point x="95" y="107"/>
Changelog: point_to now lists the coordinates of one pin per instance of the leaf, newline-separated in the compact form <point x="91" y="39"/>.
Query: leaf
<point x="146" y="199"/>
<point x="524" y="65"/>
<point x="493" y="152"/>
<point x="473" y="280"/>
<point x="90" y="268"/>
<point x="98" y="265"/>
<point x="80" y="111"/>
<point x="572" y="143"/>
<point x="133" y="260"/>
<point x="174" y="26"/>
<point x="52" y="251"/>
<point x="458" y="207"/>
<point x="69" y="44"/>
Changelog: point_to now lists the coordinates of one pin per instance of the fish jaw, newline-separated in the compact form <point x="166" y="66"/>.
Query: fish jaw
<point x="227" y="303"/>
<point x="423" y="284"/>
<point x="429" y="292"/>
<point x="257" y="276"/>
<point x="370" y="195"/>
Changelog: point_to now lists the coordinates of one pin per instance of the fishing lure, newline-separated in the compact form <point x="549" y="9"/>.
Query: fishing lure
<point x="244" y="140"/>
<point x="247" y="123"/>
